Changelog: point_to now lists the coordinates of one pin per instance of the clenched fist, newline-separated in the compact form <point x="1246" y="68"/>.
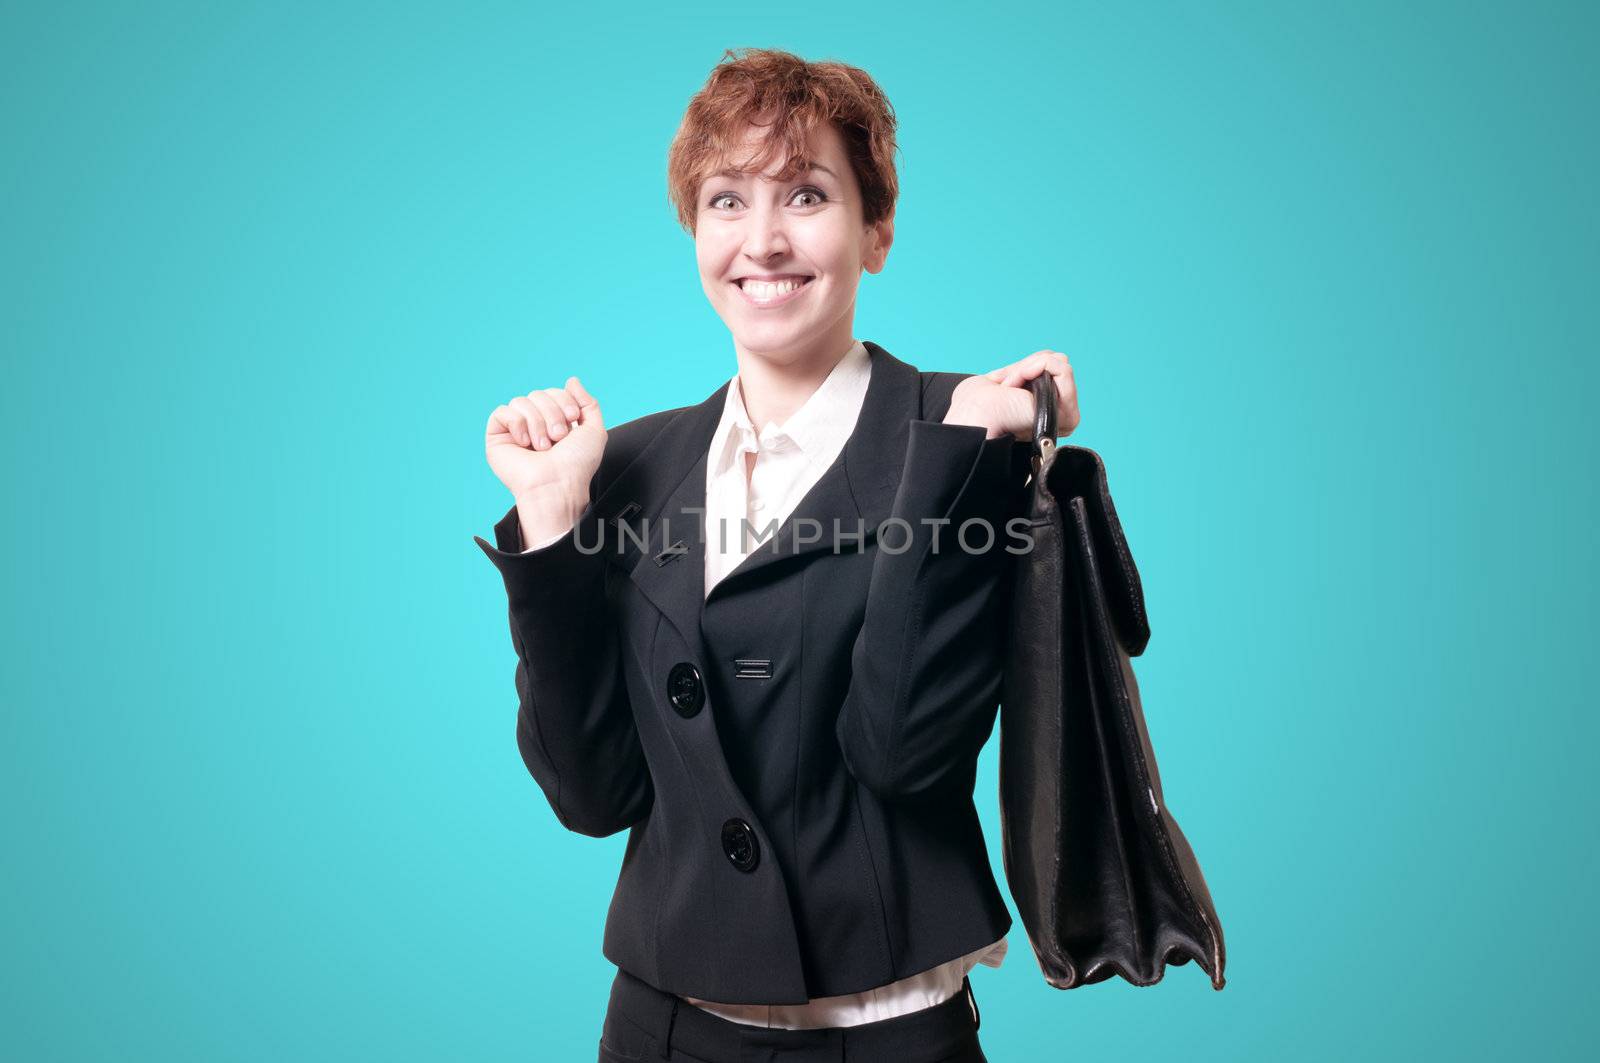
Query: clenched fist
<point x="545" y="447"/>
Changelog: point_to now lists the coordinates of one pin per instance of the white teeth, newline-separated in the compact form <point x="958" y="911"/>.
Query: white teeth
<point x="764" y="290"/>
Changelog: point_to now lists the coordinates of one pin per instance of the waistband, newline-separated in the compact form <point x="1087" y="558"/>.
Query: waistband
<point x="932" y="1033"/>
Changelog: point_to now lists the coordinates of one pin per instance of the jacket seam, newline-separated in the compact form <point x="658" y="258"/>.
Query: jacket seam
<point x="914" y="621"/>
<point x="800" y="708"/>
<point x="533" y="723"/>
<point x="902" y="692"/>
<point x="864" y="849"/>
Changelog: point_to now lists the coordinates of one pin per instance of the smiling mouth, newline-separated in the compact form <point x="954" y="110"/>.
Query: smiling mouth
<point x="767" y="293"/>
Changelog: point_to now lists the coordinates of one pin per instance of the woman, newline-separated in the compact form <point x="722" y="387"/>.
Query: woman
<point x="741" y="635"/>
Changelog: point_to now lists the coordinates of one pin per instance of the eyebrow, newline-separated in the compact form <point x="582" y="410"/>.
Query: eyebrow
<point x="736" y="174"/>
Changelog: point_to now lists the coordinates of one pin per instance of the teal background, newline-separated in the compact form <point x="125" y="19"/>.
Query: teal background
<point x="1327" y="278"/>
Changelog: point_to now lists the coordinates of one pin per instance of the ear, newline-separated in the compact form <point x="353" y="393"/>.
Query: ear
<point x="880" y="236"/>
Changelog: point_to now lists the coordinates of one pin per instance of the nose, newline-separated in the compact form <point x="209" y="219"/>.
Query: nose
<point x="765" y="237"/>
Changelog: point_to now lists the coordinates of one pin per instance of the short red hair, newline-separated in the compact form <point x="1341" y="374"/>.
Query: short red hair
<point x="795" y="96"/>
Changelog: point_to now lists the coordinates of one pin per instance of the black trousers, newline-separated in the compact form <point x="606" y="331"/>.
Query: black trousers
<point x="643" y="1023"/>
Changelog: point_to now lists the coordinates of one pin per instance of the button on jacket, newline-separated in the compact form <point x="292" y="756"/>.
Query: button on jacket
<point x="792" y="752"/>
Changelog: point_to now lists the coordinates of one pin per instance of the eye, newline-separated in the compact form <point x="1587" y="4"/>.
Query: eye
<point x="809" y="190"/>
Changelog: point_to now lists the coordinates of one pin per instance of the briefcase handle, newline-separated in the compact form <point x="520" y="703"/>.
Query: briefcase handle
<point x="1043" y="445"/>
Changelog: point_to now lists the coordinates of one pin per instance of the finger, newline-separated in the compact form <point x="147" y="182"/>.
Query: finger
<point x="555" y="422"/>
<point x="1058" y="367"/>
<point x="539" y="439"/>
<point x="1020" y="373"/>
<point x="1067" y="417"/>
<point x="568" y="405"/>
<point x="501" y="422"/>
<point x="519" y="425"/>
<point x="580" y="393"/>
<point x="516" y="425"/>
<point x="1046" y="361"/>
<point x="1065" y="389"/>
<point x="588" y="406"/>
<point x="1026" y="369"/>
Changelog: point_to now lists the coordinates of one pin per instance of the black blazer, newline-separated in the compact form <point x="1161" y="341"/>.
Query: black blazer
<point x="795" y="754"/>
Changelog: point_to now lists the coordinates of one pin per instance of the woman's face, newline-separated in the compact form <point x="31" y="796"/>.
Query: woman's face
<point x="806" y="231"/>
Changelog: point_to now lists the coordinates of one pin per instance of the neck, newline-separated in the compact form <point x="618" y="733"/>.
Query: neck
<point x="775" y="385"/>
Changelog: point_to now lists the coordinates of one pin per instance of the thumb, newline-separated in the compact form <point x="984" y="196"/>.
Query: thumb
<point x="579" y="392"/>
<point x="586" y="402"/>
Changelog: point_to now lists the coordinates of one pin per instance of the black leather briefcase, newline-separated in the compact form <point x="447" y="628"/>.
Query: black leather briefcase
<point x="1105" y="882"/>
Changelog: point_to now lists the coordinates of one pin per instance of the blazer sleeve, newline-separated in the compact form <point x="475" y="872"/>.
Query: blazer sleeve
<point x="575" y="726"/>
<point x="926" y="666"/>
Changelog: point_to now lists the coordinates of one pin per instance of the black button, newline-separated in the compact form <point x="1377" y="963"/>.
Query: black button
<point x="685" y="690"/>
<point x="739" y="843"/>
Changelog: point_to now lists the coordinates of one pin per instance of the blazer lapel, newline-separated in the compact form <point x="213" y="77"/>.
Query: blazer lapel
<point x="858" y="489"/>
<point x="656" y="511"/>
